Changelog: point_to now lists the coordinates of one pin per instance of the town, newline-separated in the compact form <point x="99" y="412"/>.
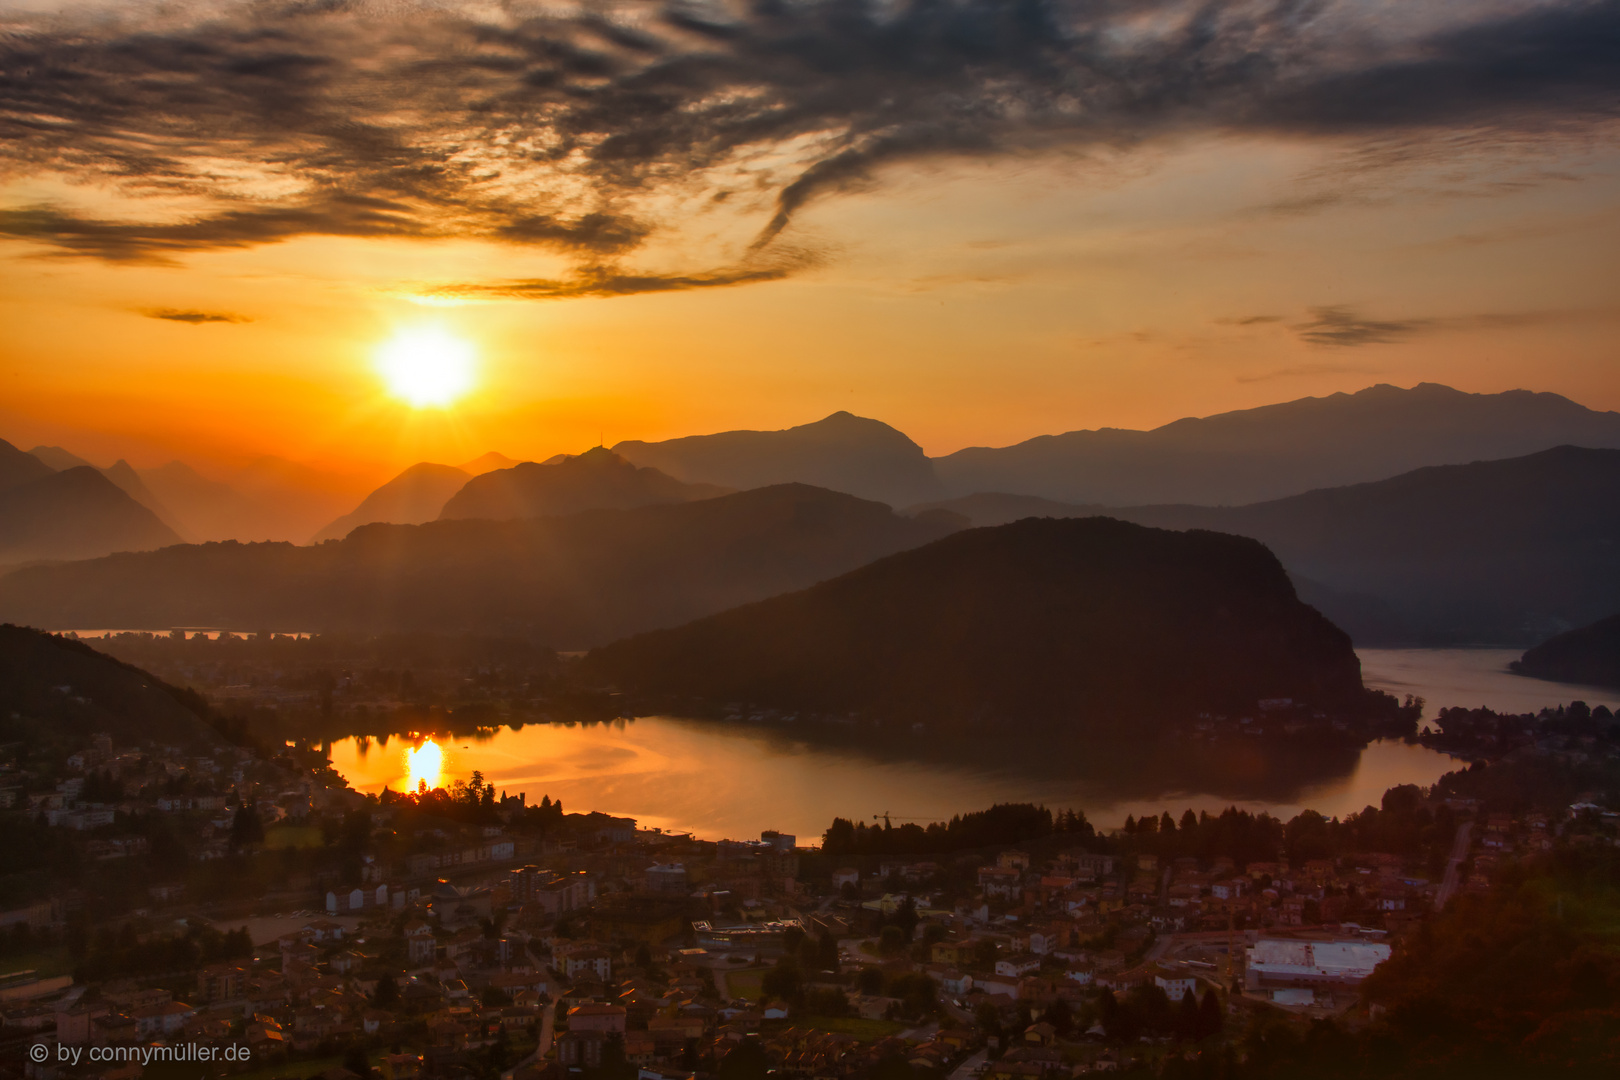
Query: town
<point x="244" y="896"/>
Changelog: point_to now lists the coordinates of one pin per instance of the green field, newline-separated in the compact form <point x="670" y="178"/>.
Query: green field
<point x="44" y="962"/>
<point x="745" y="984"/>
<point x="292" y="836"/>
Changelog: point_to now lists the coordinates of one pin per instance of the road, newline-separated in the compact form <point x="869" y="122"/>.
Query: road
<point x="1459" y="852"/>
<point x="965" y="1071"/>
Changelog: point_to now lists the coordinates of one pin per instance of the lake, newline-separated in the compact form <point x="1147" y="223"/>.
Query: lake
<point x="720" y="780"/>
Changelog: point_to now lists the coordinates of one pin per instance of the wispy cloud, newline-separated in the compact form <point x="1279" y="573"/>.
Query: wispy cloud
<point x="195" y="318"/>
<point x="590" y="130"/>
<point x="605" y="281"/>
<point x="1249" y="320"/>
<point x="1343" y="326"/>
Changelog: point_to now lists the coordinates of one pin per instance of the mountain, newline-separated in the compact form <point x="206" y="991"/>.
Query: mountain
<point x="598" y="479"/>
<point x="1589" y="655"/>
<point x="77" y="514"/>
<point x="124" y="475"/>
<point x="416" y="495"/>
<point x="489" y="462"/>
<point x="270" y="499"/>
<point x="65" y="685"/>
<point x="59" y="458"/>
<point x="1502" y="552"/>
<point x="1279" y="450"/>
<point x="17" y="467"/>
<point x="570" y="582"/>
<point x="843" y="452"/>
<point x="1078" y="623"/>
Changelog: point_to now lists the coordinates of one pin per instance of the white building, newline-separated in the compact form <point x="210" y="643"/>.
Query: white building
<point x="1304" y="963"/>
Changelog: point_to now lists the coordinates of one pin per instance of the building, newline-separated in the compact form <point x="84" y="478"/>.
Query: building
<point x="667" y="878"/>
<point x="552" y="892"/>
<point x="605" y="1018"/>
<point x="589" y="962"/>
<point x="1175" y="985"/>
<point x="221" y="982"/>
<point x="1276" y="962"/>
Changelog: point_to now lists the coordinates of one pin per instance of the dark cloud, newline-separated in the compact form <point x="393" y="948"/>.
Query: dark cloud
<point x="1342" y="326"/>
<point x="195" y="318"/>
<point x="1249" y="320"/>
<point x="587" y="133"/>
<point x="601" y="281"/>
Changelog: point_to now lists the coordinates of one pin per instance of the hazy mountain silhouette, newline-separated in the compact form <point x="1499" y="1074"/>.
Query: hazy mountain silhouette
<point x="1074" y="622"/>
<point x="17" y="467"/>
<point x="1490" y="552"/>
<point x="59" y="458"/>
<point x="489" y="462"/>
<point x="598" y="479"/>
<point x="69" y="687"/>
<point x="271" y="499"/>
<point x="77" y="514"/>
<point x="1590" y="655"/>
<point x="1280" y="450"/>
<point x="570" y="582"/>
<point x="121" y="473"/>
<point x="416" y="495"/>
<point x="124" y="475"/>
<point x="848" y="453"/>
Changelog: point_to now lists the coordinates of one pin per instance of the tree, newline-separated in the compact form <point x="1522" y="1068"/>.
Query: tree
<point x="1210" y="1019"/>
<point x="386" y="995"/>
<point x="1187" y="1017"/>
<point x="870" y="981"/>
<point x="747" y="1061"/>
<point x="784" y="981"/>
<point x="1059" y="1016"/>
<point x="891" y="941"/>
<point x="357" y="1062"/>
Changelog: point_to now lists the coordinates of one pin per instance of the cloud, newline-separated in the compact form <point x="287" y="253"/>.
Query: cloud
<point x="195" y="318"/>
<point x="607" y="281"/>
<point x="1342" y="327"/>
<point x="591" y="131"/>
<point x="1249" y="320"/>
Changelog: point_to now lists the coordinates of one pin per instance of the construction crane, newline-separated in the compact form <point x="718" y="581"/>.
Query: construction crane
<point x="886" y="817"/>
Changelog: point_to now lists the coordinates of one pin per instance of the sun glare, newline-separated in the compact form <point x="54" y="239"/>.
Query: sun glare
<point x="422" y="764"/>
<point x="426" y="367"/>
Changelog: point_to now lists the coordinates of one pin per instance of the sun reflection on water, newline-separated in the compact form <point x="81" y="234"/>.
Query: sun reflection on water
<point x="423" y="765"/>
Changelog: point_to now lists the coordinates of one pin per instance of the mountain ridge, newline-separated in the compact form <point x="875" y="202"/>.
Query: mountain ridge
<point x="571" y="582"/>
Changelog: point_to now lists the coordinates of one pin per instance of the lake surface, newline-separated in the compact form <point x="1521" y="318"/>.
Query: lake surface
<point x="1471" y="678"/>
<point x="720" y="780"/>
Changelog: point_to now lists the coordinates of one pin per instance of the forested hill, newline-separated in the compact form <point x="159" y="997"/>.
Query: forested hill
<point x="1069" y="622"/>
<point x="71" y="688"/>
<point x="1588" y="654"/>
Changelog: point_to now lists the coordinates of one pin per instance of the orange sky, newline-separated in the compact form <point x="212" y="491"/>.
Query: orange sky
<point x="967" y="298"/>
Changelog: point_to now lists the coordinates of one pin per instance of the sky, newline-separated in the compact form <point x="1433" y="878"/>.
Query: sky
<point x="977" y="220"/>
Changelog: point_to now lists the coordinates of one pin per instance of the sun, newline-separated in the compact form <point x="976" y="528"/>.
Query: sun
<point x="426" y="367"/>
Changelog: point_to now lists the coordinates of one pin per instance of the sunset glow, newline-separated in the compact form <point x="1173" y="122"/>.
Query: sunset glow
<point x="427" y="367"/>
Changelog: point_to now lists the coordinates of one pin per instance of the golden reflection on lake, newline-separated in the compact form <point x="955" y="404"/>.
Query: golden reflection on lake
<point x="733" y="780"/>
